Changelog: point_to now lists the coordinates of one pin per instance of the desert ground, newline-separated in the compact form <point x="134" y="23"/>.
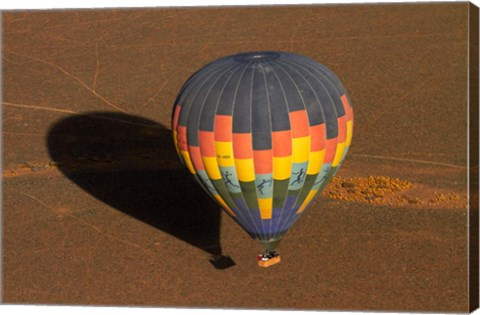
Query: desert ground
<point x="98" y="210"/>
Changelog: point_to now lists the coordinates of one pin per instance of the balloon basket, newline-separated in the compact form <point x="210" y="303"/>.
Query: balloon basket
<point x="268" y="258"/>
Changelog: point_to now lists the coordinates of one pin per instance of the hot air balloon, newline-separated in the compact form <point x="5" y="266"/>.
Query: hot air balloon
<point x="263" y="133"/>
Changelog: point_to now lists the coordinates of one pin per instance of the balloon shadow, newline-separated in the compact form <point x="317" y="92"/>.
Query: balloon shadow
<point x="130" y="163"/>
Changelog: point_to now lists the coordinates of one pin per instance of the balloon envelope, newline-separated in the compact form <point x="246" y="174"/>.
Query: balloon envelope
<point x="263" y="133"/>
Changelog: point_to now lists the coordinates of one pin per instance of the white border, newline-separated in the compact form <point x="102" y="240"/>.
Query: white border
<point x="83" y="4"/>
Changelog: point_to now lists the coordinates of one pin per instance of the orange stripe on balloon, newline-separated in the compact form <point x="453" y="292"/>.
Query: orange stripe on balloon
<point x="282" y="143"/>
<point x="347" y="107"/>
<point x="196" y="157"/>
<point x="342" y="128"/>
<point x="223" y="128"/>
<point x="317" y="137"/>
<point x="349" y="113"/>
<point x="299" y="123"/>
<point x="207" y="143"/>
<point x="182" y="138"/>
<point x="263" y="161"/>
<point x="330" y="149"/>
<point x="242" y="145"/>
<point x="345" y="101"/>
<point x="176" y="115"/>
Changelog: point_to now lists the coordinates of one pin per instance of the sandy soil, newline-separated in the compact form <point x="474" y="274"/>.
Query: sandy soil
<point x="98" y="210"/>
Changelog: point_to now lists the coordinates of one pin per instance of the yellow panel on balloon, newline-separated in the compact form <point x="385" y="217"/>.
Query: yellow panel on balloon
<point x="310" y="196"/>
<point x="188" y="161"/>
<point x="300" y="149"/>
<point x="211" y="166"/>
<point x="245" y="170"/>
<point x="282" y="167"/>
<point x="265" y="205"/>
<point x="175" y="141"/>
<point x="224" y="205"/>
<point x="315" y="162"/>
<point x="224" y="151"/>
<point x="349" y="133"/>
<point x="338" y="154"/>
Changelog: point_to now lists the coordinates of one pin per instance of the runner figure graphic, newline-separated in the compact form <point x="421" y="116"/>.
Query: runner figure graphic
<point x="228" y="180"/>
<point x="300" y="176"/>
<point x="262" y="185"/>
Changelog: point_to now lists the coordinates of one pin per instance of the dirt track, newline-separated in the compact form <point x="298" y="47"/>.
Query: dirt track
<point x="98" y="210"/>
